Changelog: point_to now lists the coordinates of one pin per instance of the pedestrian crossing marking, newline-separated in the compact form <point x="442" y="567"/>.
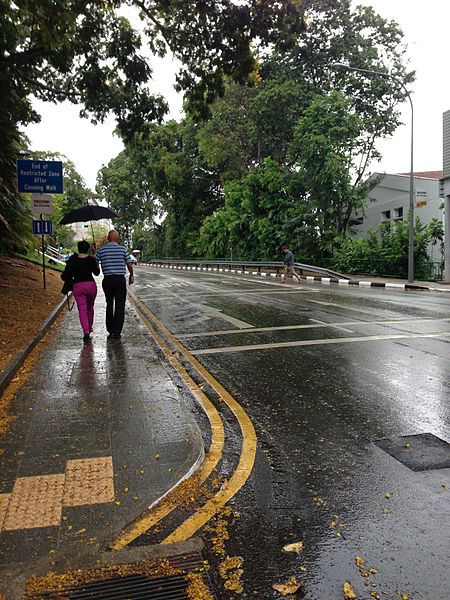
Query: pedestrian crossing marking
<point x="318" y="325"/>
<point x="368" y="338"/>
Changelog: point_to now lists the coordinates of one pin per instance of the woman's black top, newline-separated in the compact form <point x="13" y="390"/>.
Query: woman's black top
<point x="80" y="269"/>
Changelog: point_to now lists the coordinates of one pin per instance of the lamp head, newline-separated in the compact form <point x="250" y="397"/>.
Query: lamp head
<point x="339" y="65"/>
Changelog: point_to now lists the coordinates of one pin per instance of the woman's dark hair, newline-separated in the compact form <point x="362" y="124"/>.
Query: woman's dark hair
<point x="83" y="247"/>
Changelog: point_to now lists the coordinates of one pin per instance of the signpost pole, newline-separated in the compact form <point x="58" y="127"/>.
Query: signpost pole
<point x="43" y="259"/>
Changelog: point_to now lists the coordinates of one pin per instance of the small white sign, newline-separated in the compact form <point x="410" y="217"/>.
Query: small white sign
<point x="41" y="204"/>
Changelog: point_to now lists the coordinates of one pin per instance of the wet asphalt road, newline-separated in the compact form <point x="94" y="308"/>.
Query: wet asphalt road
<point x="366" y="364"/>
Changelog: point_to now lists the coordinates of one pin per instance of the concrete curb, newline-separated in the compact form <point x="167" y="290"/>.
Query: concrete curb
<point x="19" y="358"/>
<point x="316" y="279"/>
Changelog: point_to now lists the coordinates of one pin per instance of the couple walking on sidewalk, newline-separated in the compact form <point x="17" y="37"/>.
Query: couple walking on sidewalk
<point x="78" y="274"/>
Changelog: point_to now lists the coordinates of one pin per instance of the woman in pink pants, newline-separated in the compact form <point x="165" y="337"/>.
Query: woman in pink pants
<point x="79" y="271"/>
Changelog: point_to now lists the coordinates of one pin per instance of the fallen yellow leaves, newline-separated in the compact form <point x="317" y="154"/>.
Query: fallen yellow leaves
<point x="349" y="591"/>
<point x="318" y="501"/>
<point x="58" y="582"/>
<point x="219" y="530"/>
<point x="230" y="571"/>
<point x="290" y="588"/>
<point x="364" y="572"/>
<point x="295" y="547"/>
<point x="196" y="589"/>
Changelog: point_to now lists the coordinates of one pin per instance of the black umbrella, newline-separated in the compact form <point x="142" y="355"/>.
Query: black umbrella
<point x="88" y="213"/>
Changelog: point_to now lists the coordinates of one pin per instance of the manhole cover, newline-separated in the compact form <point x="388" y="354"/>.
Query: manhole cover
<point x="420" y="452"/>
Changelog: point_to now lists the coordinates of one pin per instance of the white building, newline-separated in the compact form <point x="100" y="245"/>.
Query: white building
<point x="389" y="200"/>
<point x="83" y="230"/>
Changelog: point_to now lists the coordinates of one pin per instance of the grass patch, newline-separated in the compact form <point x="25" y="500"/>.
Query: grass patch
<point x="36" y="258"/>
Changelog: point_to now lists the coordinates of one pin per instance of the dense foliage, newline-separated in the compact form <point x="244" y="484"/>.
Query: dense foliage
<point x="285" y="159"/>
<point x="88" y="53"/>
<point x="385" y="251"/>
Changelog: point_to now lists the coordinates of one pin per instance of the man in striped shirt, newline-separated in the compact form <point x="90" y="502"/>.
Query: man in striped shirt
<point x="115" y="260"/>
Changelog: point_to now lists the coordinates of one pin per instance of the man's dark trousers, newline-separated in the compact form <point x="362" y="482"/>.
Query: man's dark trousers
<point x="115" y="289"/>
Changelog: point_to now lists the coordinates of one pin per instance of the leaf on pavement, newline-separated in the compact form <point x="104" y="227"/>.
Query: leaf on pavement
<point x="349" y="591"/>
<point x="295" y="547"/>
<point x="291" y="587"/>
<point x="359" y="561"/>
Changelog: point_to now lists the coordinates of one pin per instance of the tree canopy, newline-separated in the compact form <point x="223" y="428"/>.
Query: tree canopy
<point x="87" y="52"/>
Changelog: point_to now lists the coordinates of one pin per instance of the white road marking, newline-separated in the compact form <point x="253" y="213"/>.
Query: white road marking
<point x="335" y="326"/>
<point x="371" y="338"/>
<point x="321" y="324"/>
<point x="215" y="312"/>
<point x="366" y="311"/>
<point x="236" y="293"/>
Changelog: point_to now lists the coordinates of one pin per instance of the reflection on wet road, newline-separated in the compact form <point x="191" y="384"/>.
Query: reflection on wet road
<point x="324" y="372"/>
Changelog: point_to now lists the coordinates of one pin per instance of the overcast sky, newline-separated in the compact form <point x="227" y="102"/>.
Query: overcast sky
<point x="425" y="26"/>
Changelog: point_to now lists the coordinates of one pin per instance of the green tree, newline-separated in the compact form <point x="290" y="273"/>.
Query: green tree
<point x="85" y="52"/>
<point x="252" y="224"/>
<point x="119" y="184"/>
<point x="362" y="38"/>
<point x="385" y="251"/>
<point x="181" y="187"/>
<point x="227" y="139"/>
<point x="324" y="151"/>
<point x="321" y="125"/>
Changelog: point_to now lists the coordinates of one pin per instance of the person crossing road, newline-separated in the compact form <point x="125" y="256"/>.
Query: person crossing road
<point x="289" y="265"/>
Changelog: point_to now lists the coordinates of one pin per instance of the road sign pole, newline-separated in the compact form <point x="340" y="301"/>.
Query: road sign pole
<point x="43" y="259"/>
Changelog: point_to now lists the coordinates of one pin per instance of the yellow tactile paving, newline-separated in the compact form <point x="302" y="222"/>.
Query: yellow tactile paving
<point x="4" y="500"/>
<point x="35" y="502"/>
<point x="89" y="481"/>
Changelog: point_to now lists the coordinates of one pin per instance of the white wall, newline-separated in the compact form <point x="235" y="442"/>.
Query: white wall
<point x="392" y="194"/>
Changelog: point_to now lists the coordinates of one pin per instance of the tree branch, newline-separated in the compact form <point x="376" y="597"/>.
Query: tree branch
<point x="362" y="169"/>
<point x="60" y="92"/>
<point x="20" y="57"/>
<point x="161" y="28"/>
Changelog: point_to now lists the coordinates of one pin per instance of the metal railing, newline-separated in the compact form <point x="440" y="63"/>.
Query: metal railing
<point x="251" y="267"/>
<point x="53" y="254"/>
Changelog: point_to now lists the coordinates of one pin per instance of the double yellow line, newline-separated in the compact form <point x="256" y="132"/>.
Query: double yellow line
<point x="248" y="450"/>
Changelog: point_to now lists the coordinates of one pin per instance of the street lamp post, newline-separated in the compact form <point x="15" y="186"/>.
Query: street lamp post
<point x="411" y="172"/>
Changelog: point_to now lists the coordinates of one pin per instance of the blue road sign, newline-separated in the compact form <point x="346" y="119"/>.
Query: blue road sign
<point x="42" y="227"/>
<point x="40" y="176"/>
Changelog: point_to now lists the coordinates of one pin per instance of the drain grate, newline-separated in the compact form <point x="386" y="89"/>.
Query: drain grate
<point x="141" y="580"/>
<point x="420" y="452"/>
<point x="132" y="587"/>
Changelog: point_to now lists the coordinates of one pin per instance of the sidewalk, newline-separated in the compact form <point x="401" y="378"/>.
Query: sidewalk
<point x="101" y="433"/>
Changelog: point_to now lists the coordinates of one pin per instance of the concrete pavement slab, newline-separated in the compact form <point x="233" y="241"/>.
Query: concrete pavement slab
<point x="101" y="432"/>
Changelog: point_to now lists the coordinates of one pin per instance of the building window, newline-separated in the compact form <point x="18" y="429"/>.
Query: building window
<point x="398" y="214"/>
<point x="357" y="221"/>
<point x="386" y="215"/>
